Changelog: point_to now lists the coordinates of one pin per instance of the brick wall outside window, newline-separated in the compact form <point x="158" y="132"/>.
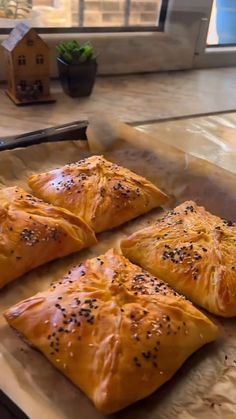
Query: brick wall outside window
<point x="109" y="12"/>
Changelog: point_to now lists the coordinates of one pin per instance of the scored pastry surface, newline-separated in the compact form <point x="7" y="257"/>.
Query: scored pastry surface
<point x="33" y="232"/>
<point x="114" y="330"/>
<point x="102" y="193"/>
<point x="194" y="251"/>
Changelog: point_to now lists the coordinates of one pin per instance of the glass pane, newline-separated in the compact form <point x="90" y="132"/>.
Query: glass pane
<point x="145" y="12"/>
<point x="104" y="13"/>
<point x="74" y="13"/>
<point x="222" y="29"/>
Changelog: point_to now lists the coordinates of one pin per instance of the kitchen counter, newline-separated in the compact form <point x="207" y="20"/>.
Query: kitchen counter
<point x="136" y="99"/>
<point x="162" y="104"/>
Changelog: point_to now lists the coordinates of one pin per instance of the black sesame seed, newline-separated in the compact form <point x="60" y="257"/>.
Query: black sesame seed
<point x="228" y="223"/>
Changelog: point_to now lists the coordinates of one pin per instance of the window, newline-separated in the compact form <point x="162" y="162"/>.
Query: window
<point x="39" y="59"/>
<point x="30" y="42"/>
<point x="217" y="36"/>
<point x="21" y="60"/>
<point x="130" y="36"/>
<point x="39" y="85"/>
<point x="222" y="29"/>
<point x="23" y="84"/>
<point x="96" y="13"/>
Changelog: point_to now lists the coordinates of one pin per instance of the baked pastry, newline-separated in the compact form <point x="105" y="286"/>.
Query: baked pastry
<point x="33" y="233"/>
<point x="103" y="194"/>
<point x="114" y="330"/>
<point x="195" y="252"/>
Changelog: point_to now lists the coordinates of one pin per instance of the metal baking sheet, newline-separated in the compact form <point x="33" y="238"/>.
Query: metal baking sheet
<point x="205" y="385"/>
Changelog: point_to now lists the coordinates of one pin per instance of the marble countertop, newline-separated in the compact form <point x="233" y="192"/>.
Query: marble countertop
<point x="162" y="104"/>
<point x="212" y="137"/>
<point x="136" y="99"/>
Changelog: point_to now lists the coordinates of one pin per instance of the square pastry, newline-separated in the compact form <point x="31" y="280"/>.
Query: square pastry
<point x="102" y="193"/>
<point x="33" y="232"/>
<point x="195" y="252"/>
<point x="115" y="331"/>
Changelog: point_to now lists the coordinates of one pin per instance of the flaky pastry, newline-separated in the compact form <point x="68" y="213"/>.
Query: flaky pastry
<point x="195" y="252"/>
<point x="103" y="194"/>
<point x="115" y="331"/>
<point x="33" y="233"/>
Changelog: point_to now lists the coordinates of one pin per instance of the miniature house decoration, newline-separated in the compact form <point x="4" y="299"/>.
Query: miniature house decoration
<point x="27" y="65"/>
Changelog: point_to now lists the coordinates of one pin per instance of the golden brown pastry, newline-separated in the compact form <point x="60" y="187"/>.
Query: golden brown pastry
<point x="103" y="194"/>
<point x="114" y="330"/>
<point x="195" y="252"/>
<point x="33" y="233"/>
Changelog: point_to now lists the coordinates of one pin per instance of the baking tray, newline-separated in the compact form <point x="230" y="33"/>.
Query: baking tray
<point x="33" y="384"/>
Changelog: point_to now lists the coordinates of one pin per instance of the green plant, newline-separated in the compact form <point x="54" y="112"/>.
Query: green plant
<point x="72" y="52"/>
<point x="15" y="9"/>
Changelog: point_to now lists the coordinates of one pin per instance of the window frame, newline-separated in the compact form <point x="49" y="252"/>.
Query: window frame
<point x="125" y="51"/>
<point x="104" y="29"/>
<point x="39" y="59"/>
<point x="21" y="60"/>
<point x="211" y="56"/>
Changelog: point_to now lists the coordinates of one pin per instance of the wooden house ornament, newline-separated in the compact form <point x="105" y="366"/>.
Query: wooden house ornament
<point x="27" y="64"/>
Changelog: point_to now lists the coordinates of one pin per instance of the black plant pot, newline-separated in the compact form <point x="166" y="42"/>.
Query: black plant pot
<point x="77" y="79"/>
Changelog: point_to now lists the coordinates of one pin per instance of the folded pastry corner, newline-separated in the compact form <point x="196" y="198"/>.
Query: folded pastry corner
<point x="194" y="251"/>
<point x="102" y="193"/>
<point x="33" y="232"/>
<point x="115" y="331"/>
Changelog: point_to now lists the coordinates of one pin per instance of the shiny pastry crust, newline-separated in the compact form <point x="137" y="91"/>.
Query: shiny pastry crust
<point x="33" y="233"/>
<point x="195" y="252"/>
<point x="114" y="330"/>
<point x="103" y="194"/>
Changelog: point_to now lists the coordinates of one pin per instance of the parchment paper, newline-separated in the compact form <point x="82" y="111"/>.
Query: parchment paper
<point x="205" y="387"/>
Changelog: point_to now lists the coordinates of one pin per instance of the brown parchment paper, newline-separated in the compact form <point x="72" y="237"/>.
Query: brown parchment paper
<point x="205" y="387"/>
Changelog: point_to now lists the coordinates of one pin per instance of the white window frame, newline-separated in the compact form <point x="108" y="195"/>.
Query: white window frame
<point x="207" y="56"/>
<point x="179" y="47"/>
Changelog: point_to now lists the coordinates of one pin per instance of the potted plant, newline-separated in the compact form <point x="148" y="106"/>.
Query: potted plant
<point x="77" y="68"/>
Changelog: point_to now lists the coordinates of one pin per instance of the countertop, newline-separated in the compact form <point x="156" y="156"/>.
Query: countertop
<point x="187" y="109"/>
<point x="135" y="98"/>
